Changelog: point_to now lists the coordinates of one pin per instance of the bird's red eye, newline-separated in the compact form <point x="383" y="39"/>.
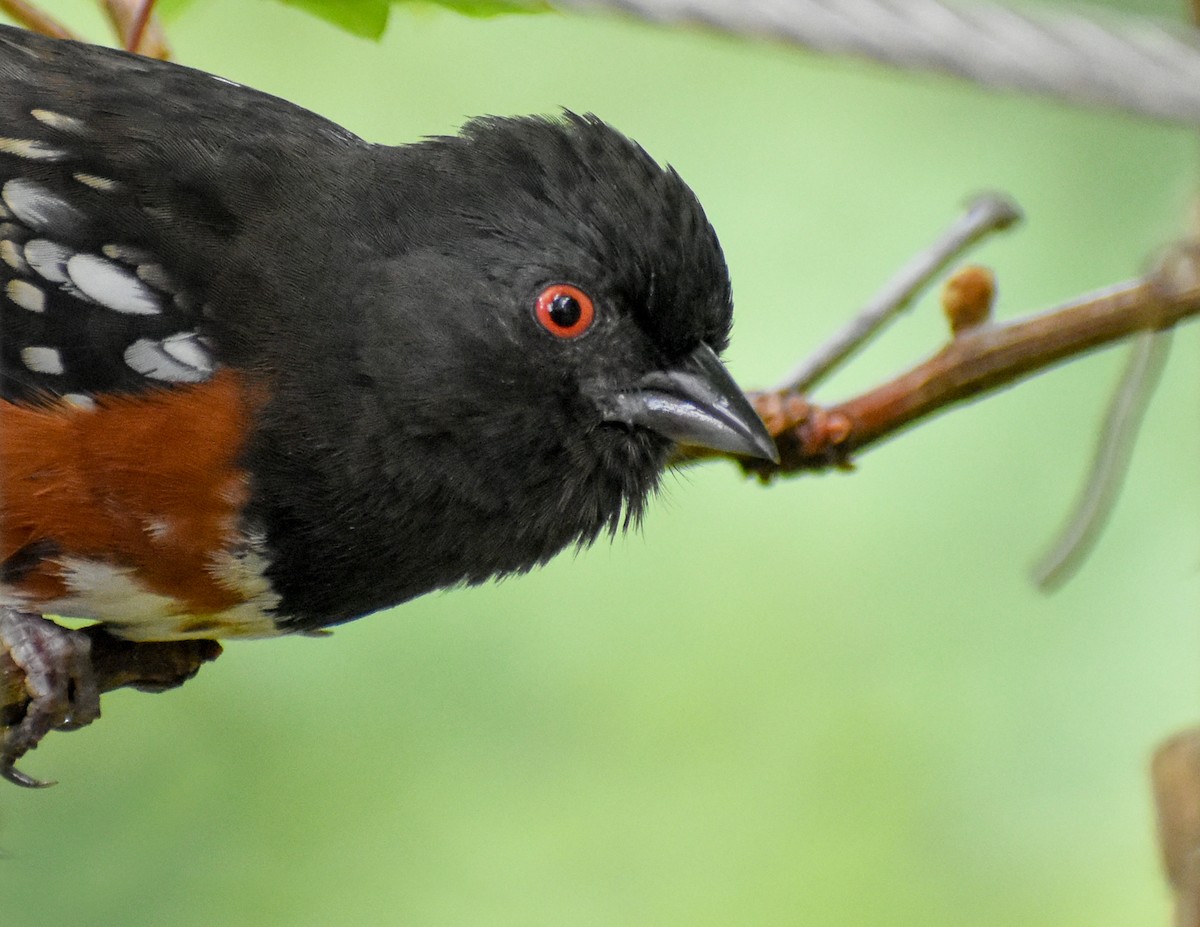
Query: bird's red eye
<point x="565" y="311"/>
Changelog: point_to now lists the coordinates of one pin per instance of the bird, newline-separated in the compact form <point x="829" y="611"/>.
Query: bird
<point x="259" y="376"/>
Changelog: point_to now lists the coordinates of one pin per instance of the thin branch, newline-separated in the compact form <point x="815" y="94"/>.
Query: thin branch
<point x="1175" y="776"/>
<point x="979" y="359"/>
<point x="1095" y="59"/>
<point x="35" y="20"/>
<point x="137" y="27"/>
<point x="1114" y="448"/>
<point x="133" y="21"/>
<point x="985" y="214"/>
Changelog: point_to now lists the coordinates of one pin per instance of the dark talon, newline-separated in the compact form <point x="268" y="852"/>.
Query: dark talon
<point x="55" y="664"/>
<point x="16" y="777"/>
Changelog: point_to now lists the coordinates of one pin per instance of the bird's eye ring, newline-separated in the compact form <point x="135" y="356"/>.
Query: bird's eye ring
<point x="565" y="311"/>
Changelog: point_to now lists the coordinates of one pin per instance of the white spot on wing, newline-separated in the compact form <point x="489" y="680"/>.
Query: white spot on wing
<point x="157" y="277"/>
<point x="58" y="121"/>
<point x="42" y="360"/>
<point x="80" y="400"/>
<point x="26" y="295"/>
<point x="10" y="253"/>
<point x="48" y="258"/>
<point x="37" y="207"/>
<point x="103" y="184"/>
<point x="152" y="359"/>
<point x="111" y="285"/>
<point x="126" y="254"/>
<point x="30" y="148"/>
<point x="187" y="348"/>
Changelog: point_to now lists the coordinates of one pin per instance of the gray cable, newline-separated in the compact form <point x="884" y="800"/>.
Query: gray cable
<point x="1094" y="58"/>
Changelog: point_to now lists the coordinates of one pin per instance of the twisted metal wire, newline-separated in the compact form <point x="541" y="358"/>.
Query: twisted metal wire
<point x="1095" y="58"/>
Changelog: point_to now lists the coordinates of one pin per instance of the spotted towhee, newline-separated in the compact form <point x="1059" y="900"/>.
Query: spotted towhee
<point x="259" y="376"/>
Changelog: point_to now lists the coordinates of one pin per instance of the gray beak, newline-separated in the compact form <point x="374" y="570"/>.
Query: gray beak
<point x="695" y="402"/>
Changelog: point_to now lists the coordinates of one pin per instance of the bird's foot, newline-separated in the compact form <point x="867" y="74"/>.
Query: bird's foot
<point x="53" y="665"/>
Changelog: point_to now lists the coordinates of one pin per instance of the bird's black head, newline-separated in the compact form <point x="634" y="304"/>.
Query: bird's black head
<point x="555" y="303"/>
<point x="578" y="200"/>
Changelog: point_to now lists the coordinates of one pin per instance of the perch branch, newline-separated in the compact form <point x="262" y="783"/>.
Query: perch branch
<point x="118" y="664"/>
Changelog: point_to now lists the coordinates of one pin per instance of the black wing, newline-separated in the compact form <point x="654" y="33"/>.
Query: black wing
<point x="125" y="187"/>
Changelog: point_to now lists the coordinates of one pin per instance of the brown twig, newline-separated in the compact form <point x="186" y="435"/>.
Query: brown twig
<point x="984" y="215"/>
<point x="133" y="20"/>
<point x="1175" y="775"/>
<point x="137" y="27"/>
<point x="35" y="20"/>
<point x="977" y="360"/>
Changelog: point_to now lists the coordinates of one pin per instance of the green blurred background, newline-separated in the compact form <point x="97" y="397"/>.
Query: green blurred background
<point x="836" y="700"/>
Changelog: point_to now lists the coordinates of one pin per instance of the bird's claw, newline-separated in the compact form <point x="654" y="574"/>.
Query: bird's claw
<point x="58" y="680"/>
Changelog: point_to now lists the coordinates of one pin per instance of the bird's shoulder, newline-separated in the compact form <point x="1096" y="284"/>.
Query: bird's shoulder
<point x="129" y="190"/>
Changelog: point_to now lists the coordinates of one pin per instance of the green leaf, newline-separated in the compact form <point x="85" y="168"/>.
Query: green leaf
<point x="369" y="18"/>
<point x="366" y="18"/>
<point x="169" y="9"/>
